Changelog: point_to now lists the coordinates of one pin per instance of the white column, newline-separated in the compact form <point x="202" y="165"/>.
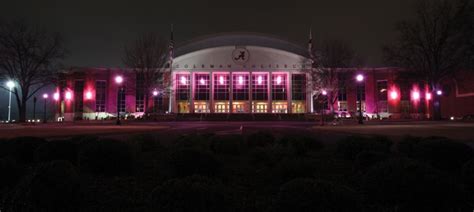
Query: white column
<point x="171" y="98"/>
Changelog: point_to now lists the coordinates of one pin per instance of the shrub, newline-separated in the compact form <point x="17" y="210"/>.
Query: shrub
<point x="301" y="144"/>
<point x="193" y="141"/>
<point x="106" y="157"/>
<point x="188" y="162"/>
<point x="57" y="150"/>
<point x="193" y="193"/>
<point x="443" y="153"/>
<point x="229" y="144"/>
<point x="366" y="159"/>
<point x="145" y="142"/>
<point x="350" y="146"/>
<point x="52" y="186"/>
<point x="407" y="145"/>
<point x="269" y="155"/>
<point x="10" y="173"/>
<point x="410" y="185"/>
<point x="315" y="195"/>
<point x="291" y="168"/>
<point x="468" y="175"/>
<point x="24" y="148"/>
<point x="260" y="139"/>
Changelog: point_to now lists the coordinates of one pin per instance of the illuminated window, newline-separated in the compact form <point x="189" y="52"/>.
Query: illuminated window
<point x="100" y="92"/>
<point x="298" y="87"/>
<point x="221" y="86"/>
<point x="182" y="86"/>
<point x="279" y="90"/>
<point x="140" y="93"/>
<point x="201" y="87"/>
<point x="259" y="87"/>
<point x="79" y="96"/>
<point x="240" y="90"/>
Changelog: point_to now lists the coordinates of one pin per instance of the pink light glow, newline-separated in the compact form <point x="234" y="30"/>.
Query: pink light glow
<point x="88" y="95"/>
<point x="428" y="96"/>
<point x="155" y="93"/>
<point x="259" y="80"/>
<point x="45" y="96"/>
<point x="439" y="92"/>
<point x="241" y="80"/>
<point x="393" y="95"/>
<point x="68" y="95"/>
<point x="278" y="80"/>
<point x="56" y="96"/>
<point x="221" y="80"/>
<point x="415" y="95"/>
<point x="118" y="79"/>
<point x="202" y="81"/>
<point x="183" y="80"/>
<point x="360" y="78"/>
<point x="324" y="92"/>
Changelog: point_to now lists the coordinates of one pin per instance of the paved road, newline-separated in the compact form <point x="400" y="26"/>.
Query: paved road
<point x="456" y="130"/>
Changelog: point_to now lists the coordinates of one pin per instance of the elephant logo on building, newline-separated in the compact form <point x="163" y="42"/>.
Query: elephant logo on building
<point x="240" y="55"/>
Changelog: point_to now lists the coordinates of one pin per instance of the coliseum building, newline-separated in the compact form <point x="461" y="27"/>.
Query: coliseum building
<point x="251" y="74"/>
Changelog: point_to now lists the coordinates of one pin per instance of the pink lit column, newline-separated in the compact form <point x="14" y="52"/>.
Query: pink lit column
<point x="191" y="97"/>
<point x="289" y="97"/>
<point x="269" y="92"/>
<point x="250" y="83"/>
<point x="231" y="96"/>
<point x="211" y="92"/>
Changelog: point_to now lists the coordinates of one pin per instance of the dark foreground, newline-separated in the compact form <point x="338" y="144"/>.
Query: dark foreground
<point x="223" y="167"/>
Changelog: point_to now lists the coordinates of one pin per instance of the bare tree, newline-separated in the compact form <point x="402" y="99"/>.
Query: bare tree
<point x="29" y="56"/>
<point x="436" y="43"/>
<point x="147" y="57"/>
<point x="330" y="60"/>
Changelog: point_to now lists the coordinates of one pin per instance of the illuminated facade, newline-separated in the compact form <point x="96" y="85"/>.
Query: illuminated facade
<point x="250" y="73"/>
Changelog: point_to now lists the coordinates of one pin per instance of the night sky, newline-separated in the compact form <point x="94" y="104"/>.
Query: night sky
<point x="96" y="31"/>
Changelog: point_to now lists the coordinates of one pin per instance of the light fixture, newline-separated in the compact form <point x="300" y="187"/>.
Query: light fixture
<point x="88" y="95"/>
<point x="45" y="96"/>
<point x="202" y="81"/>
<point x="118" y="79"/>
<point x="10" y="84"/>
<point x="155" y="93"/>
<point x="221" y="80"/>
<point x="259" y="80"/>
<point x="360" y="78"/>
<point x="439" y="92"/>
<point x="56" y="96"/>
<point x="324" y="92"/>
<point x="415" y="95"/>
<point x="278" y="80"/>
<point x="393" y="95"/>
<point x="428" y="96"/>
<point x="68" y="95"/>
<point x="241" y="80"/>
<point x="183" y="80"/>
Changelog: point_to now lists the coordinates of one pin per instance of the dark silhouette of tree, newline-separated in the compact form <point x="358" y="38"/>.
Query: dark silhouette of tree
<point x="435" y="44"/>
<point x="29" y="55"/>
<point x="330" y="60"/>
<point x="147" y="57"/>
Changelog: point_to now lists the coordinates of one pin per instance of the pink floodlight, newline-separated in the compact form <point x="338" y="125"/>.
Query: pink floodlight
<point x="118" y="79"/>
<point x="428" y="96"/>
<point x="259" y="80"/>
<point x="56" y="96"/>
<point x="183" y="80"/>
<point x="155" y="93"/>
<point x="241" y="80"/>
<point x="88" y="95"/>
<point x="68" y="95"/>
<point x="202" y="81"/>
<point x="394" y="95"/>
<point x="324" y="92"/>
<point x="278" y="80"/>
<point x="221" y="80"/>
<point x="415" y="95"/>
<point x="45" y="96"/>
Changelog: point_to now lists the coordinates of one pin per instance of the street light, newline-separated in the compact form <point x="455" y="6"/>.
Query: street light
<point x="324" y="93"/>
<point x="10" y="85"/>
<point x="118" y="81"/>
<point x="439" y="92"/>
<point x="45" y="98"/>
<point x="360" y="79"/>
<point x="155" y="94"/>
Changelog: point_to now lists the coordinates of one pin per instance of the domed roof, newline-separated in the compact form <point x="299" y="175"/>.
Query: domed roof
<point x="239" y="39"/>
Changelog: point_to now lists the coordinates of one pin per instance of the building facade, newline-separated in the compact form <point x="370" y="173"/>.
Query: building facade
<point x="251" y="73"/>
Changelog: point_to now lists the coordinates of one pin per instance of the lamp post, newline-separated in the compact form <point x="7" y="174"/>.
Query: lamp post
<point x="10" y="85"/>
<point x="45" y="97"/>
<point x="323" y="109"/>
<point x="118" y="81"/>
<point x="360" y="79"/>
<point x="155" y="94"/>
